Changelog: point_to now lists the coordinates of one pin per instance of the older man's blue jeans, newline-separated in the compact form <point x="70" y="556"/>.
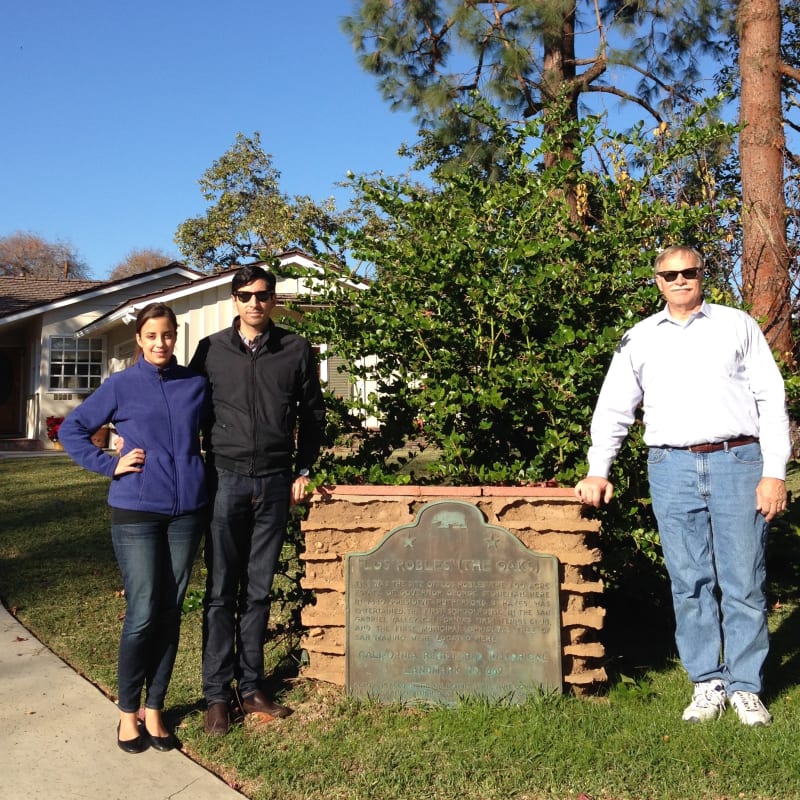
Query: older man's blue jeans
<point x="248" y="527"/>
<point x="714" y="540"/>
<point x="155" y="559"/>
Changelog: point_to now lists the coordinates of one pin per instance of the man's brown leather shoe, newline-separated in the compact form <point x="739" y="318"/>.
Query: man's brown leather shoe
<point x="257" y="703"/>
<point x="217" y="719"/>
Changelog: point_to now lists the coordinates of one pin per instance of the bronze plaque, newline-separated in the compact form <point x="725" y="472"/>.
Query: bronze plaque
<point x="451" y="607"/>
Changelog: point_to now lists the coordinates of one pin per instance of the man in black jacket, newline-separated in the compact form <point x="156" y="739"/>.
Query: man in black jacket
<point x="269" y="418"/>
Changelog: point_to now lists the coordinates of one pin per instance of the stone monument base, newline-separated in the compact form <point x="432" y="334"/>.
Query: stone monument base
<point x="355" y="519"/>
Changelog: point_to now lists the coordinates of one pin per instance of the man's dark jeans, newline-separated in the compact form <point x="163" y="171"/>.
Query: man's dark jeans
<point x="248" y="527"/>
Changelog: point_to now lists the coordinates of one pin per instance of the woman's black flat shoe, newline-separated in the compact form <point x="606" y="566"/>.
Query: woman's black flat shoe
<point x="130" y="745"/>
<point x="164" y="743"/>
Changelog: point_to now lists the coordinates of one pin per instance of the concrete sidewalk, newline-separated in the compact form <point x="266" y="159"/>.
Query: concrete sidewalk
<point x="58" y="736"/>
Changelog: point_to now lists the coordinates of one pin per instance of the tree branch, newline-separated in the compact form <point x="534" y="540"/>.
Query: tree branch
<point x="625" y="96"/>
<point x="667" y="87"/>
<point x="789" y="71"/>
<point x="793" y="158"/>
<point x="582" y="82"/>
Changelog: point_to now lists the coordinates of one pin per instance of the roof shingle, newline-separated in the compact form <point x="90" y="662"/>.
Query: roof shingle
<point x="21" y="293"/>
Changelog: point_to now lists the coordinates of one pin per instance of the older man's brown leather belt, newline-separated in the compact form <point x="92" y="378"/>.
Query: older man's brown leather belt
<point x="712" y="447"/>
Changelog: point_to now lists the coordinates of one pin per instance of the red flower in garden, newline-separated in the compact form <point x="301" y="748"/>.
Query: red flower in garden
<point x="53" y="424"/>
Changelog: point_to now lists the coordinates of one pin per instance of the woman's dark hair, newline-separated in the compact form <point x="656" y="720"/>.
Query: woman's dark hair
<point x="250" y="273"/>
<point x="155" y="311"/>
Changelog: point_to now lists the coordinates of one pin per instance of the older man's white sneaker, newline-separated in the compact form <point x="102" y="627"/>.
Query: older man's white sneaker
<point x="708" y="702"/>
<point x="750" y="709"/>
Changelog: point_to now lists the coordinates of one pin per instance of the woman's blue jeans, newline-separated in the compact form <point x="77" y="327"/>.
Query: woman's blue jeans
<point x="155" y="559"/>
<point x="247" y="530"/>
<point x="714" y="540"/>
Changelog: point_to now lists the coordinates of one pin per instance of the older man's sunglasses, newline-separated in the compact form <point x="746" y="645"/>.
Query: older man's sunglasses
<point x="670" y="275"/>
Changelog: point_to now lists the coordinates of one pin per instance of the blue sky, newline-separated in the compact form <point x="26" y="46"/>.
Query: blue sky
<point x="113" y="111"/>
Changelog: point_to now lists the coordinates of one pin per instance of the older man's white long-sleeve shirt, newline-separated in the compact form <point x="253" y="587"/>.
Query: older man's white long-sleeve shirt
<point x="709" y="379"/>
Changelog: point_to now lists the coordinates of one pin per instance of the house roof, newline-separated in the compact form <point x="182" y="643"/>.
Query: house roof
<point x="22" y="297"/>
<point x="126" y="312"/>
<point x="21" y="293"/>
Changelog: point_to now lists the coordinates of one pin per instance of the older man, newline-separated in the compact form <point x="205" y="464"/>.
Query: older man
<point x="718" y="436"/>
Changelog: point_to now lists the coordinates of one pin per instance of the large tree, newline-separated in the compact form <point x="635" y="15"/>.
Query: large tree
<point x="139" y="260"/>
<point x="25" y="254"/>
<point x="559" y="57"/>
<point x="248" y="215"/>
<point x="528" y="57"/>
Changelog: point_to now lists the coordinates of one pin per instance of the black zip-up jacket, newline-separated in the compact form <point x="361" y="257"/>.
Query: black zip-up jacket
<point x="268" y="405"/>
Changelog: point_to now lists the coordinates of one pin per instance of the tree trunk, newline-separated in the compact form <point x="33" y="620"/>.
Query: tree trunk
<point x="559" y="73"/>
<point x="765" y="257"/>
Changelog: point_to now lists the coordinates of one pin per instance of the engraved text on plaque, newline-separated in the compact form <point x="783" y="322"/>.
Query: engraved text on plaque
<point x="451" y="607"/>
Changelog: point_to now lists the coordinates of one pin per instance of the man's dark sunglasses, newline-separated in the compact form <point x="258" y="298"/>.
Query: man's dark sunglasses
<point x="672" y="274"/>
<point x="262" y="297"/>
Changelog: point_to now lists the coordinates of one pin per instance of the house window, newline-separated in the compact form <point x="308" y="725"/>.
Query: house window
<point x="75" y="364"/>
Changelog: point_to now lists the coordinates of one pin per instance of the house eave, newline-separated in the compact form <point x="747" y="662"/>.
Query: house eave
<point x="89" y="294"/>
<point x="126" y="313"/>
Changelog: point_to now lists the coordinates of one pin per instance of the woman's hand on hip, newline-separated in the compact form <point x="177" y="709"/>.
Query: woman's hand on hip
<point x="132" y="461"/>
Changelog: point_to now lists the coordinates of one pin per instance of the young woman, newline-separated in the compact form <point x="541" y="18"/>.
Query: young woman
<point x="158" y="509"/>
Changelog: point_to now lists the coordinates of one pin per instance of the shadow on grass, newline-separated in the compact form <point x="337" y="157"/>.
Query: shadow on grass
<point x="783" y="594"/>
<point x="175" y="715"/>
<point x="63" y="545"/>
<point x="639" y="630"/>
<point x="783" y="663"/>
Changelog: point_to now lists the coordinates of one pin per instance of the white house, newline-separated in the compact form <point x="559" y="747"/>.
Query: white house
<point x="60" y="339"/>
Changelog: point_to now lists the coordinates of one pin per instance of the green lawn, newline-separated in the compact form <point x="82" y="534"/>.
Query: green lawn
<point x="58" y="573"/>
